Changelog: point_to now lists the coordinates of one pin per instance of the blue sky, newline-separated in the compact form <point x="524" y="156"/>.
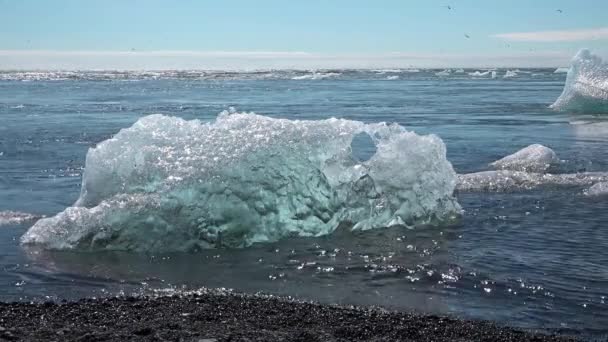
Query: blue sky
<point x="271" y="33"/>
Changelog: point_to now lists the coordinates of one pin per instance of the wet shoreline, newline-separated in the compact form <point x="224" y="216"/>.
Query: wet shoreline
<point x="215" y="315"/>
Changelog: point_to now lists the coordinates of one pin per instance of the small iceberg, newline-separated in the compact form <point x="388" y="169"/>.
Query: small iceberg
<point x="317" y="76"/>
<point x="480" y="73"/>
<point x="534" y="158"/>
<point x="586" y="88"/>
<point x="510" y="74"/>
<point x="9" y="217"/>
<point x="599" y="189"/>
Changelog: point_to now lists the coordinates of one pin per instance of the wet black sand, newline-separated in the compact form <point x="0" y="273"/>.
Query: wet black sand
<point x="219" y="316"/>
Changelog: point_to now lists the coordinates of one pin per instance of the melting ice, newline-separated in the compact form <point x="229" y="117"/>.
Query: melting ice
<point x="167" y="184"/>
<point x="586" y="88"/>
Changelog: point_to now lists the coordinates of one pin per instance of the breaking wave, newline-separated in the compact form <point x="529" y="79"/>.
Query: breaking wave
<point x="167" y="184"/>
<point x="586" y="88"/>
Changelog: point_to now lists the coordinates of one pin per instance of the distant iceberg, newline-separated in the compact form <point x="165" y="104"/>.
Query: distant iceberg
<point x="316" y="76"/>
<point x="168" y="184"/>
<point x="586" y="88"/>
<point x="480" y="73"/>
<point x="446" y="72"/>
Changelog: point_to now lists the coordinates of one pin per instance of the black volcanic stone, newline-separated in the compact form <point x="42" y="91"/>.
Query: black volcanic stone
<point x="218" y="316"/>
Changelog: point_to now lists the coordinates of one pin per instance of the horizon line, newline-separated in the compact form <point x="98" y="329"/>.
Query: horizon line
<point x="156" y="60"/>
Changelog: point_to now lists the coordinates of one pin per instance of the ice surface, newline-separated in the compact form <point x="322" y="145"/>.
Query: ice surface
<point x="9" y="217"/>
<point x="446" y="72"/>
<point x="167" y="184"/>
<point x="479" y="73"/>
<point x="599" y="189"/>
<point x="316" y="76"/>
<point x="507" y="180"/>
<point x="586" y="88"/>
<point x="534" y="158"/>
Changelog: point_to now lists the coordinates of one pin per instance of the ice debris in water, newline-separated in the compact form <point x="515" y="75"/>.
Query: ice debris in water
<point x="9" y="217"/>
<point x="510" y="74"/>
<point x="507" y="180"/>
<point x="599" y="189"/>
<point x="534" y="158"/>
<point x="586" y="88"/>
<point x="167" y="184"/>
<point x="480" y="74"/>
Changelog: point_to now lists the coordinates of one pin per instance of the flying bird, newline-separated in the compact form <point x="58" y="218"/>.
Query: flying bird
<point x="467" y="36"/>
<point x="560" y="11"/>
<point x="448" y="7"/>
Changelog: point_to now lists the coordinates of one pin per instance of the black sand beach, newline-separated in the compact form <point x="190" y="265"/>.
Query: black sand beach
<point x="219" y="316"/>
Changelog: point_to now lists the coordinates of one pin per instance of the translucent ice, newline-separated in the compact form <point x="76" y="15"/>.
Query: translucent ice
<point x="9" y="217"/>
<point x="599" y="189"/>
<point x="534" y="158"/>
<point x="586" y="88"/>
<point x="167" y="184"/>
<point x="506" y="180"/>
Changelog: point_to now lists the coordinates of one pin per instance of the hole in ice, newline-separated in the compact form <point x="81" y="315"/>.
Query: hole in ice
<point x="363" y="147"/>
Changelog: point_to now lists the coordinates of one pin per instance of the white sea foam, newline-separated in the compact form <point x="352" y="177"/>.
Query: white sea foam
<point x="394" y="77"/>
<point x="168" y="184"/>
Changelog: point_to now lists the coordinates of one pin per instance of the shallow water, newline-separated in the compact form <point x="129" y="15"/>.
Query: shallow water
<point x="535" y="259"/>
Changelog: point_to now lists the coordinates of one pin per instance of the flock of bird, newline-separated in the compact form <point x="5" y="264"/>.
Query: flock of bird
<point x="449" y="7"/>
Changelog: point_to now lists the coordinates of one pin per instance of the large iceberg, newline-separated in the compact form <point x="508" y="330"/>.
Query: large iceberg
<point x="586" y="88"/>
<point x="167" y="184"/>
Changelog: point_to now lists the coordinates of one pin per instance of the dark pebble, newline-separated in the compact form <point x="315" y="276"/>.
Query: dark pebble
<point x="211" y="316"/>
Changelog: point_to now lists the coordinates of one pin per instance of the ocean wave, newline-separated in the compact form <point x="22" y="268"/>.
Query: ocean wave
<point x="167" y="184"/>
<point x="9" y="217"/>
<point x="586" y="88"/>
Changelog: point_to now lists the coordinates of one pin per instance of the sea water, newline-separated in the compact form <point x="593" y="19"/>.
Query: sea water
<point x="529" y="256"/>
